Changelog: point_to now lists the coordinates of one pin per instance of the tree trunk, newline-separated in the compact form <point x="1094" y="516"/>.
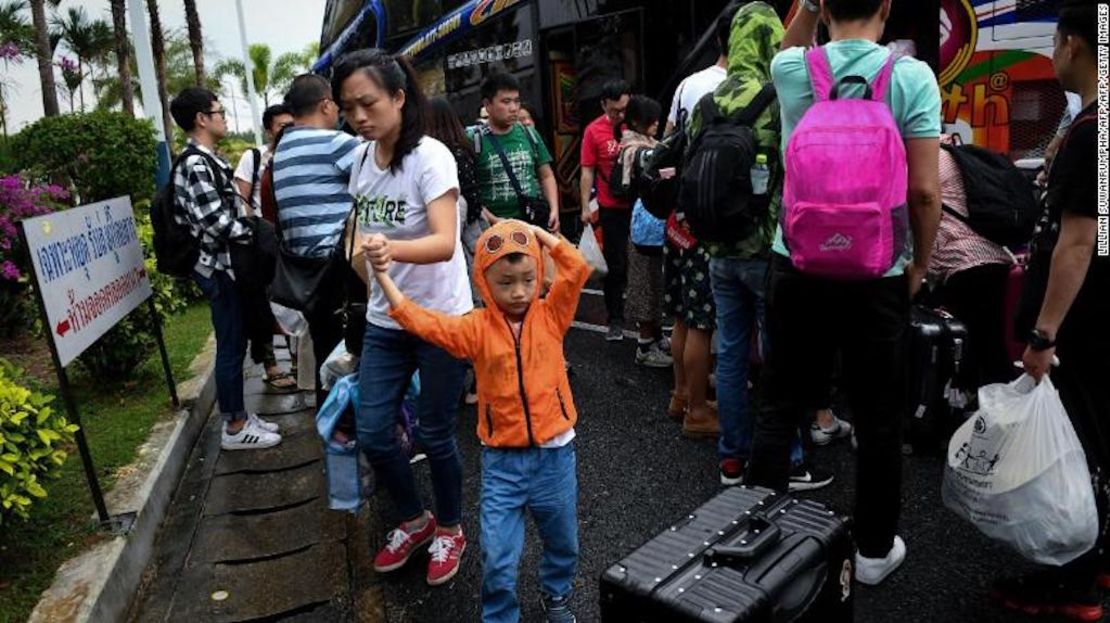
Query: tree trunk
<point x="196" y="39"/>
<point x="158" y="49"/>
<point x="123" y="56"/>
<point x="81" y="84"/>
<point x="45" y="58"/>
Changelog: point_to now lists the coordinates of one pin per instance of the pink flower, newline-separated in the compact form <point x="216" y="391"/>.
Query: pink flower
<point x="9" y="271"/>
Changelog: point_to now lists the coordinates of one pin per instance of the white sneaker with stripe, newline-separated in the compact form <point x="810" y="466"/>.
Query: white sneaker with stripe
<point x="250" y="437"/>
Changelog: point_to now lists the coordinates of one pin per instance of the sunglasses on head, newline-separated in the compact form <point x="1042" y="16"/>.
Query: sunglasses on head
<point x="496" y="241"/>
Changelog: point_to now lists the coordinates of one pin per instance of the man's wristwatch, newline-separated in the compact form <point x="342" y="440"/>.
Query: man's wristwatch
<point x="1039" y="340"/>
<point x="811" y="5"/>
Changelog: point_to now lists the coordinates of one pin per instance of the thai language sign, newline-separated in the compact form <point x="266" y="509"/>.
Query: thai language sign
<point x="88" y="262"/>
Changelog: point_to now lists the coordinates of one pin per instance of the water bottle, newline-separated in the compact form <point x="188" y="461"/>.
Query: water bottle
<point x="761" y="175"/>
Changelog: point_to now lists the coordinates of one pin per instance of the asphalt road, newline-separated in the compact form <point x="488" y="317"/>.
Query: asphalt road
<point x="637" y="475"/>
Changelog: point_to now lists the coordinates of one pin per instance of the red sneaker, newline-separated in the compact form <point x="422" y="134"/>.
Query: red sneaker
<point x="732" y="472"/>
<point x="400" y="545"/>
<point x="1104" y="580"/>
<point x="446" y="550"/>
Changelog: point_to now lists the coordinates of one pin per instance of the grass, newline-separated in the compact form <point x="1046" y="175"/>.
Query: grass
<point x="117" y="417"/>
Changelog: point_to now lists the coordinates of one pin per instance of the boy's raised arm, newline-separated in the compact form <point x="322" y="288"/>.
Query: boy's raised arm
<point x="454" y="334"/>
<point x="571" y="274"/>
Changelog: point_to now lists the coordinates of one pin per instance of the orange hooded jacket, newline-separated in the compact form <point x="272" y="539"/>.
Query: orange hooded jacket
<point x="524" y="396"/>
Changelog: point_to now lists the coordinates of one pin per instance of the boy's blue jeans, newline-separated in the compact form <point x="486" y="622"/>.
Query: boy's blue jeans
<point x="540" y="480"/>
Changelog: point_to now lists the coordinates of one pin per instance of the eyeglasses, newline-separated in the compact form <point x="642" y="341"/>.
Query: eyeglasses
<point x="222" y="112"/>
<point x="495" y="242"/>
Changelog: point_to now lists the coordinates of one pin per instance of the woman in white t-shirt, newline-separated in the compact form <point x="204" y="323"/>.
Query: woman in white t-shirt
<point x="406" y="190"/>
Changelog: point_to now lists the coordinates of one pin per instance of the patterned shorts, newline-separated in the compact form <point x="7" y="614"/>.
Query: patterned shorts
<point x="687" y="291"/>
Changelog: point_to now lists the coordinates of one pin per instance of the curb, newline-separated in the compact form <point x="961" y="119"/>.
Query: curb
<point x="99" y="584"/>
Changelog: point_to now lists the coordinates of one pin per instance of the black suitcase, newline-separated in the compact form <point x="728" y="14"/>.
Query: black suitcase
<point x="937" y="342"/>
<point x="747" y="555"/>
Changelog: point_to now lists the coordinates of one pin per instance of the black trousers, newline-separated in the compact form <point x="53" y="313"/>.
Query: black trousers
<point x="1082" y="380"/>
<point x="258" y="318"/>
<point x="977" y="297"/>
<point x="809" y="321"/>
<point x="333" y="319"/>
<point x="615" y="224"/>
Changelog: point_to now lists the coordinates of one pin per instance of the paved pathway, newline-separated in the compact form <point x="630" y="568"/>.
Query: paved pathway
<point x="249" y="535"/>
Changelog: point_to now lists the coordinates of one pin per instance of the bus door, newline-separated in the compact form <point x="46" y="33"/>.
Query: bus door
<point x="578" y="58"/>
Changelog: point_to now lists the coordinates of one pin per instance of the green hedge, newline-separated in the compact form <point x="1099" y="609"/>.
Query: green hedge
<point x="99" y="155"/>
<point x="32" y="441"/>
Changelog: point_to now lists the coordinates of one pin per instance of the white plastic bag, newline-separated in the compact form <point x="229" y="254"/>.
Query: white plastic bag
<point x="591" y="251"/>
<point x="1017" y="472"/>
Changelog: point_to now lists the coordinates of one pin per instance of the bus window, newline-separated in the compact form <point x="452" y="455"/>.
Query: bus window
<point x="406" y="16"/>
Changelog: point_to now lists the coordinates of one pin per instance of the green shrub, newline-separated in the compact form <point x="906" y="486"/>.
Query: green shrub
<point x="122" y="349"/>
<point x="32" y="441"/>
<point x="100" y="154"/>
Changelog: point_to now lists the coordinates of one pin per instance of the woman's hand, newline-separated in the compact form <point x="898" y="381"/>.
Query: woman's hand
<point x="378" y="252"/>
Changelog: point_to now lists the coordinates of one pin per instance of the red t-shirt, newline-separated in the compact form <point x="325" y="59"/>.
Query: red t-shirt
<point x="599" y="150"/>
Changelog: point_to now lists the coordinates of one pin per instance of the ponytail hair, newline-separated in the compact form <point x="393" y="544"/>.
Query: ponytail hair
<point x="393" y="74"/>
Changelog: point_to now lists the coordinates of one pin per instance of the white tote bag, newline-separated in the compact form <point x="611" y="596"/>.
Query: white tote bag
<point x="591" y="251"/>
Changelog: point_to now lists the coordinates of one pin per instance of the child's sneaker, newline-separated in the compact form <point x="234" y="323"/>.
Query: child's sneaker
<point x="1044" y="594"/>
<point x="250" y="437"/>
<point x="446" y="550"/>
<point x="557" y="609"/>
<point x="400" y="545"/>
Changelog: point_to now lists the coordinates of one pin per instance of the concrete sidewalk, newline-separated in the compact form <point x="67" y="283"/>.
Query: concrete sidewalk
<point x="249" y="535"/>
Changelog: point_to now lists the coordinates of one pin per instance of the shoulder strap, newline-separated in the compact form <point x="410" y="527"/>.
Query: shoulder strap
<point x="882" y="82"/>
<point x="820" y="73"/>
<point x="710" y="112"/>
<point x="505" y="163"/>
<point x="759" y="103"/>
<point x="257" y="155"/>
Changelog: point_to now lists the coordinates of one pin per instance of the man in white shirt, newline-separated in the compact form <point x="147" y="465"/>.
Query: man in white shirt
<point x="696" y="85"/>
<point x="259" y="318"/>
<point x="248" y="173"/>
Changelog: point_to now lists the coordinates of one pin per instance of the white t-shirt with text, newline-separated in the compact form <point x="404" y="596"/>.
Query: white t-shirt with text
<point x="395" y="204"/>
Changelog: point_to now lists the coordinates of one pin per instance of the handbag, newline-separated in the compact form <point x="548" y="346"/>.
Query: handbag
<point x="254" y="263"/>
<point x="297" y="278"/>
<point x="647" y="231"/>
<point x="535" y="210"/>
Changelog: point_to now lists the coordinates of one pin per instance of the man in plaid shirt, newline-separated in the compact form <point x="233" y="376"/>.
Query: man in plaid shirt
<point x="204" y="194"/>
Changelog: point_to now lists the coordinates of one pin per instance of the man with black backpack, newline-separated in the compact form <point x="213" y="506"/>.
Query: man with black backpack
<point x="736" y="218"/>
<point x="205" y="201"/>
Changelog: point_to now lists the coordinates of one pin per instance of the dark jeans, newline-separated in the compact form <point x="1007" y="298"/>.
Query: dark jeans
<point x="390" y="357"/>
<point x="808" y="320"/>
<point x="231" y="341"/>
<point x="615" y="226"/>
<point x="328" y="323"/>
<point x="1081" y="380"/>
<point x="977" y="297"/>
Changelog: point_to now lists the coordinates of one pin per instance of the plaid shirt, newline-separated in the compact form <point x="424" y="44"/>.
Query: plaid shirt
<point x="210" y="212"/>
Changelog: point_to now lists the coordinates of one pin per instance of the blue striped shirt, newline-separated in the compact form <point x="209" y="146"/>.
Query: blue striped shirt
<point x="311" y="170"/>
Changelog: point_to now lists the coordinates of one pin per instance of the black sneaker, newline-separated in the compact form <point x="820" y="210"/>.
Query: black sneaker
<point x="807" y="478"/>
<point x="1046" y="594"/>
<point x="615" y="334"/>
<point x="557" y="609"/>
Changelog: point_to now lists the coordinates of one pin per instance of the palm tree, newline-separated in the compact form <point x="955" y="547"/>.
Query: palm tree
<point x="158" y="49"/>
<point x="44" y="53"/>
<point x="123" y="56"/>
<point x="89" y="41"/>
<point x="270" y="79"/>
<point x="196" y="40"/>
<point x="17" y="39"/>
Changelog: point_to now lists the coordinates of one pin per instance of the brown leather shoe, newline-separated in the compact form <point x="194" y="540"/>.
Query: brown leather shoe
<point x="701" y="423"/>
<point x="677" y="409"/>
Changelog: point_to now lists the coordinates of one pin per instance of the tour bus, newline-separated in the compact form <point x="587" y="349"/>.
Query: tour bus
<point x="992" y="57"/>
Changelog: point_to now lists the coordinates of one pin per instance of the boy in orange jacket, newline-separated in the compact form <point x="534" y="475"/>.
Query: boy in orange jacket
<point x="526" y="413"/>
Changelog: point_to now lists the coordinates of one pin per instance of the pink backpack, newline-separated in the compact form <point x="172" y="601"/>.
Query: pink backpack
<point x="845" y="211"/>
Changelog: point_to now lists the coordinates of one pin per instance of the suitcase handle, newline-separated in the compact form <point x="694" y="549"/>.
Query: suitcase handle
<point x="768" y="535"/>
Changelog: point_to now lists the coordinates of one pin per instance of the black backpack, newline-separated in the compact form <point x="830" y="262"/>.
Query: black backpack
<point x="1001" y="203"/>
<point x="661" y="174"/>
<point x="716" y="191"/>
<point x="176" y="249"/>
